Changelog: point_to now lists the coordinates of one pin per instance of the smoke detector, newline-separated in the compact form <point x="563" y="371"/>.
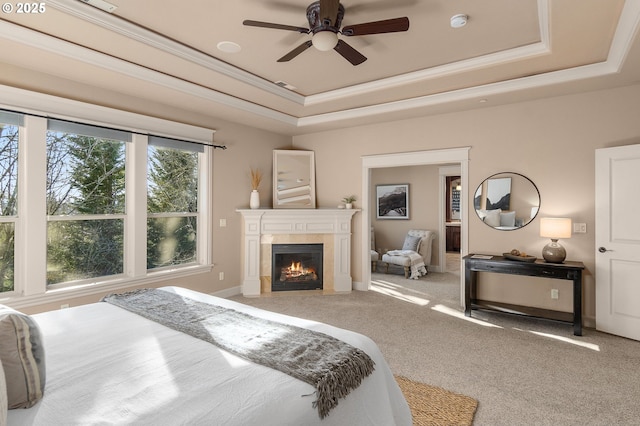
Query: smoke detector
<point x="459" y="21"/>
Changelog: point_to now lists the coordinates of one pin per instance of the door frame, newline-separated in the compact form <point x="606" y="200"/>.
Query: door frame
<point x="443" y="173"/>
<point x="451" y="156"/>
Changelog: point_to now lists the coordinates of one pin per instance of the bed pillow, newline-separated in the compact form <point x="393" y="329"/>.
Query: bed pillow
<point x="3" y="397"/>
<point x="411" y="243"/>
<point x="508" y="219"/>
<point x="22" y="357"/>
<point x="493" y="218"/>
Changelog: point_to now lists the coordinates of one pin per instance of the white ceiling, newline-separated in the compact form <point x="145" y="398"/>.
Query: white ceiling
<point x="165" y="51"/>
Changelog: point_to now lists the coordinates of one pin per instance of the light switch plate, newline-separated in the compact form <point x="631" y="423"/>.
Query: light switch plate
<point x="579" y="228"/>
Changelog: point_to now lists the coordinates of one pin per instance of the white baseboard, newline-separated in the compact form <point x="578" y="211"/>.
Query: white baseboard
<point x="228" y="292"/>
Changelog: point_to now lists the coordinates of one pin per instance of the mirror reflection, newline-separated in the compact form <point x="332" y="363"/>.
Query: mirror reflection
<point x="507" y="201"/>
<point x="294" y="185"/>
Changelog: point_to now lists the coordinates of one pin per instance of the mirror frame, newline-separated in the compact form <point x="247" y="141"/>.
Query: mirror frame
<point x="302" y="193"/>
<point x="485" y="182"/>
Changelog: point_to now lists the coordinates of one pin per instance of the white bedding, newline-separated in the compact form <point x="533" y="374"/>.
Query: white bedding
<point x="108" y="366"/>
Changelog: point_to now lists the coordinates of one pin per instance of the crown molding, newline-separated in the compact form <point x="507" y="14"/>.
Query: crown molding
<point x="165" y="44"/>
<point x="50" y="44"/>
<point x="130" y="30"/>
<point x="41" y="104"/>
<point x="625" y="34"/>
<point x="525" y="52"/>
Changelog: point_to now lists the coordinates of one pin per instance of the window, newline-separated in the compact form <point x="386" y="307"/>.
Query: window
<point x="172" y="202"/>
<point x="9" y="133"/>
<point x="85" y="201"/>
<point x="87" y="208"/>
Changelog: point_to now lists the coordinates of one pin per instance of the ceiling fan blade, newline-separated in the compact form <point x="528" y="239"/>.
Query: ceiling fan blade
<point x="295" y="52"/>
<point x="329" y="10"/>
<point x="378" y="27"/>
<point x="260" y="24"/>
<point x="349" y="53"/>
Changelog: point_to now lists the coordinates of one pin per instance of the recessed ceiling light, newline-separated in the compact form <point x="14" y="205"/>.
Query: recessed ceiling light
<point x="229" y="47"/>
<point x="459" y="21"/>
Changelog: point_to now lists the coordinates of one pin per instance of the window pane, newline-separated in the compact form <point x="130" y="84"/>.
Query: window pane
<point x="172" y="180"/>
<point x="171" y="241"/>
<point x="7" y="233"/>
<point x="8" y="170"/>
<point x="85" y="175"/>
<point x="82" y="249"/>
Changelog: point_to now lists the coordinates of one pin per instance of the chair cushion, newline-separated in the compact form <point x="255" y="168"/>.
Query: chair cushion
<point x="396" y="260"/>
<point x="411" y="243"/>
<point x="22" y="357"/>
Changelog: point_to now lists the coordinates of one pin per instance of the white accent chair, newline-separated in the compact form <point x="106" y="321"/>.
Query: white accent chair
<point x="375" y="256"/>
<point x="418" y="240"/>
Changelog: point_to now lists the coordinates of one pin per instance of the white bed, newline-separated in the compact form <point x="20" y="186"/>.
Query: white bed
<point x="108" y="366"/>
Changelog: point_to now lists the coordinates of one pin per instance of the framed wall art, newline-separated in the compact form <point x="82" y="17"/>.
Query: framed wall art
<point x="392" y="201"/>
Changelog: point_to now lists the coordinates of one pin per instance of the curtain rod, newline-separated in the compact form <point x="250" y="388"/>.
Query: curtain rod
<point x="223" y="147"/>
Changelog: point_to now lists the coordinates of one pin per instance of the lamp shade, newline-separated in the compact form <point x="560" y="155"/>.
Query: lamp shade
<point x="555" y="227"/>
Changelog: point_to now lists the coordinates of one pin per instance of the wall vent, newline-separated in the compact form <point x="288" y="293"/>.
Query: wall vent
<point x="101" y="4"/>
<point x="285" y="85"/>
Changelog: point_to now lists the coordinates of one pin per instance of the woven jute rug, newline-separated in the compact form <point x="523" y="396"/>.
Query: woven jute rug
<point x="433" y="406"/>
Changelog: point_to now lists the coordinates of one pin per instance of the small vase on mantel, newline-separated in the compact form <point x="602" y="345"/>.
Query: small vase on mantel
<point x="254" y="200"/>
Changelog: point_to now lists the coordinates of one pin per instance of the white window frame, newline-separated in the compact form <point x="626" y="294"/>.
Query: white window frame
<point x="14" y="219"/>
<point x="30" y="286"/>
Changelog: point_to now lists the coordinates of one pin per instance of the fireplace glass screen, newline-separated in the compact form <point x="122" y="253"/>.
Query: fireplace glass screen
<point x="296" y="267"/>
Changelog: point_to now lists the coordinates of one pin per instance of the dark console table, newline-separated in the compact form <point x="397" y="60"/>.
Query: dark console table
<point x="499" y="264"/>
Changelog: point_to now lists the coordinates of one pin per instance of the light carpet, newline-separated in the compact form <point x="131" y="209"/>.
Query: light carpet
<point x="434" y="406"/>
<point x="522" y="371"/>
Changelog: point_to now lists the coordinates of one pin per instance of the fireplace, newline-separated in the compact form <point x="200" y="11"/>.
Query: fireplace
<point x="265" y="227"/>
<point x="296" y="267"/>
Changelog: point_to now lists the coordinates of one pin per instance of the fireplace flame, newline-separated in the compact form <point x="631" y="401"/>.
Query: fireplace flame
<point x="297" y="271"/>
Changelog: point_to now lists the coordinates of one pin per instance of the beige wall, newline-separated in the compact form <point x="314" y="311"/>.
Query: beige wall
<point x="551" y="141"/>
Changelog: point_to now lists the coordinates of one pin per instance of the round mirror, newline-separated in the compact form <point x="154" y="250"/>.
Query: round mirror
<point x="507" y="201"/>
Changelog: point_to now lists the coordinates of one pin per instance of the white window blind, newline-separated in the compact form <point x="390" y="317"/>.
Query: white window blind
<point x="175" y="144"/>
<point x="88" y="130"/>
<point x="12" y="118"/>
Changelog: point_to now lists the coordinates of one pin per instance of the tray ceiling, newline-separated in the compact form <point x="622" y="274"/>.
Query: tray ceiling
<point x="168" y="52"/>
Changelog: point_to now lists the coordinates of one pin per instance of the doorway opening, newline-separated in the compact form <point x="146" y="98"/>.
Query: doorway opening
<point x="448" y="157"/>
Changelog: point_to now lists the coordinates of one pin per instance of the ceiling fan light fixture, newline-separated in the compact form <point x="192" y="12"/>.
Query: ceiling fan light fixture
<point x="325" y="40"/>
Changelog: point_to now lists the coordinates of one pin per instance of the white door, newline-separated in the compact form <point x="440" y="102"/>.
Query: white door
<point x="618" y="241"/>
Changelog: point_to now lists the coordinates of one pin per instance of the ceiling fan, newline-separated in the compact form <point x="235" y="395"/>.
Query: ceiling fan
<point x="325" y="18"/>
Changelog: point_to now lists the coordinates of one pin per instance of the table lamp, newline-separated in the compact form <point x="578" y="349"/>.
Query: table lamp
<point x="555" y="228"/>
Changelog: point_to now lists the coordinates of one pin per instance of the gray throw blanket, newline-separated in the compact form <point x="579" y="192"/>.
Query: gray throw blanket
<point x="330" y="365"/>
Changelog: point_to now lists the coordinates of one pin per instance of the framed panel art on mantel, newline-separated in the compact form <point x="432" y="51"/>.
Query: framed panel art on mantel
<point x="392" y="201"/>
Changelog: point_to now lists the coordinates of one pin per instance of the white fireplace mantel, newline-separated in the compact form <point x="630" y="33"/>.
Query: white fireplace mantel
<point x="261" y="223"/>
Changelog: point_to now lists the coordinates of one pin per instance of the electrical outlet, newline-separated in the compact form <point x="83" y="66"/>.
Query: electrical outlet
<point x="223" y="223"/>
<point x="554" y="293"/>
<point x="64" y="306"/>
<point x="221" y="276"/>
